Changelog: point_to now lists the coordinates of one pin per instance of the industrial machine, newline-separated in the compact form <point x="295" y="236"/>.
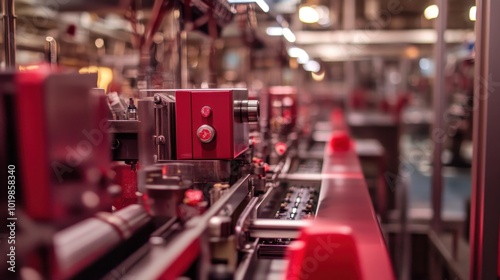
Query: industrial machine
<point x="179" y="183"/>
<point x="194" y="196"/>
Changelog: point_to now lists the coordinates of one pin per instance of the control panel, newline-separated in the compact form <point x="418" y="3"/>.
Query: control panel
<point x="212" y="123"/>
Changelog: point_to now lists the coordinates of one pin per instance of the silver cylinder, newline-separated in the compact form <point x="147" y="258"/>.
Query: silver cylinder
<point x="81" y="244"/>
<point x="247" y="110"/>
<point x="164" y="111"/>
<point x="51" y="50"/>
<point x="271" y="228"/>
<point x="146" y="139"/>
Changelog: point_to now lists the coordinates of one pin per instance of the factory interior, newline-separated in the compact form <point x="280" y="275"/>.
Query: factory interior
<point x="249" y="139"/>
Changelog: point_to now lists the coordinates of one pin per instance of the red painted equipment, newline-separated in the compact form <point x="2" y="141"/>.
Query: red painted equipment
<point x="211" y="124"/>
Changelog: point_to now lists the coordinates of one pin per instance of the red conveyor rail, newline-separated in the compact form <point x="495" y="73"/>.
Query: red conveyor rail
<point x="345" y="241"/>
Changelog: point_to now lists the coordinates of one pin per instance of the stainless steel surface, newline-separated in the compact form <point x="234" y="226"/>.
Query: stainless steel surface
<point x="73" y="246"/>
<point x="265" y="200"/>
<point x="164" y="111"/>
<point x="220" y="227"/>
<point x="245" y="266"/>
<point x="160" y="258"/>
<point x="438" y="132"/>
<point x="146" y="140"/>
<point x="209" y="171"/>
<point x="247" y="110"/>
<point x="166" y="185"/>
<point x="216" y="192"/>
<point x="9" y="33"/>
<point x="282" y="167"/>
<point x="135" y="216"/>
<point x="243" y="223"/>
<point x="81" y="244"/>
<point x="272" y="228"/>
<point x="51" y="50"/>
<point x="485" y="214"/>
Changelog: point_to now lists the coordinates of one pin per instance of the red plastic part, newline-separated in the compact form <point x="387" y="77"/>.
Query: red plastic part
<point x="193" y="197"/>
<point x="280" y="148"/>
<point x="340" y="141"/>
<point x="324" y="251"/>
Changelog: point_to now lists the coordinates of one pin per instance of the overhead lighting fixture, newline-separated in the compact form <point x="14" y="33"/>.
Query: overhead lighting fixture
<point x="300" y="54"/>
<point x="318" y="77"/>
<point x="261" y="3"/>
<point x="425" y="64"/>
<point x="288" y="34"/>
<point x="308" y="14"/>
<point x="431" y="12"/>
<point x="324" y="15"/>
<point x="304" y="58"/>
<point x="411" y="52"/>
<point x="99" y="43"/>
<point x="296" y="52"/>
<point x="274" y="31"/>
<point x="472" y="13"/>
<point x="312" y="66"/>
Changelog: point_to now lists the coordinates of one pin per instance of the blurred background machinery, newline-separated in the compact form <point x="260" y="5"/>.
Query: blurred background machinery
<point x="226" y="139"/>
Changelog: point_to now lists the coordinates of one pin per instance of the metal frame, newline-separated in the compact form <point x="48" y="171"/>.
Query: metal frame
<point x="485" y="211"/>
<point x="9" y="33"/>
<point x="438" y="135"/>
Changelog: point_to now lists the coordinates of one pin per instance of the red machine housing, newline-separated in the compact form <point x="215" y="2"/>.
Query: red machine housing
<point x="283" y="104"/>
<point x="63" y="145"/>
<point x="208" y="125"/>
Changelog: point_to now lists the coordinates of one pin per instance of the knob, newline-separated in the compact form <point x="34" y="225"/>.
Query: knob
<point x="247" y="110"/>
<point x="206" y="111"/>
<point x="253" y="111"/>
<point x="205" y="133"/>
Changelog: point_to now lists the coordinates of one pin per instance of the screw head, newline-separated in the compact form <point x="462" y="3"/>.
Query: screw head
<point x="157" y="99"/>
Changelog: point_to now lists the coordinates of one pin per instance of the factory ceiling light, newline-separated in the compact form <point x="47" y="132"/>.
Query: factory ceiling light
<point x="274" y="31"/>
<point x="472" y="13"/>
<point x="308" y="14"/>
<point x="296" y="52"/>
<point x="288" y="34"/>
<point x="300" y="54"/>
<point x="431" y="12"/>
<point x="312" y="66"/>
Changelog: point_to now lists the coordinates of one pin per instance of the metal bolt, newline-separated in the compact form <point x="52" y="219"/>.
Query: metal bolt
<point x="160" y="140"/>
<point x="115" y="145"/>
<point x="157" y="99"/>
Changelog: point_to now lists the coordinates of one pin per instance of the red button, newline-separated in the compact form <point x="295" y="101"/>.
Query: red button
<point x="280" y="148"/>
<point x="205" y="133"/>
<point x="206" y="111"/>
